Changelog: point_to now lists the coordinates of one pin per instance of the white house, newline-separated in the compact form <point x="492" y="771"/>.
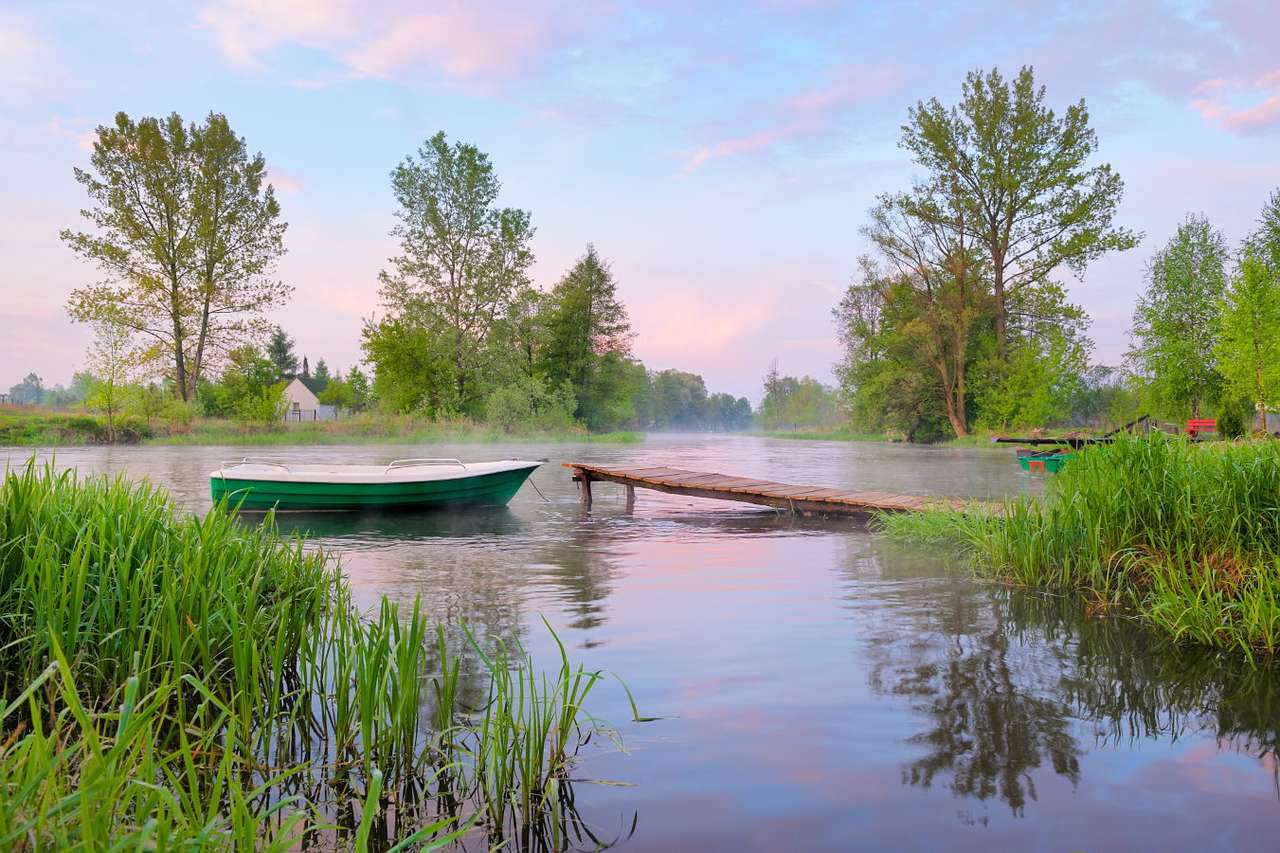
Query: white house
<point x="301" y="403"/>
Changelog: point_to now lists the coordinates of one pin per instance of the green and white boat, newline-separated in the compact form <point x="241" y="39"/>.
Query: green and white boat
<point x="261" y="484"/>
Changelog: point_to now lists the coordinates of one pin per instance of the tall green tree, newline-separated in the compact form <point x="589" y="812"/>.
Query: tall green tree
<point x="1248" y="346"/>
<point x="1175" y="323"/>
<point x="463" y="260"/>
<point x="188" y="231"/>
<point x="585" y="323"/>
<point x="280" y="352"/>
<point x="1021" y="177"/>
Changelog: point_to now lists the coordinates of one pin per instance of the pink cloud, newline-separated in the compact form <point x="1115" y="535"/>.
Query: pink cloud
<point x="807" y="113"/>
<point x="1239" y="106"/>
<point x="285" y="182"/>
<point x="740" y="145"/>
<point x="471" y="41"/>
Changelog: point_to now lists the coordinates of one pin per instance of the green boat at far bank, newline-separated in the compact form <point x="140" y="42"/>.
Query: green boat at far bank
<point x="260" y="484"/>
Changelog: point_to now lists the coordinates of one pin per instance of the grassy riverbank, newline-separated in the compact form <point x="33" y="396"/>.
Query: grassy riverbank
<point x="178" y="681"/>
<point x="26" y="427"/>
<point x="1186" y="536"/>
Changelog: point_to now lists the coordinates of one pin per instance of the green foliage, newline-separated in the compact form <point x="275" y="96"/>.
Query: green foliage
<point x="464" y="263"/>
<point x="1184" y="534"/>
<point x="176" y="681"/>
<point x="795" y="403"/>
<point x="1175" y="323"/>
<point x="248" y="391"/>
<point x="527" y="404"/>
<point x="280" y="352"/>
<point x="1019" y="177"/>
<point x="1248" y="347"/>
<point x="1035" y="387"/>
<point x="188" y="232"/>
<point x="321" y="374"/>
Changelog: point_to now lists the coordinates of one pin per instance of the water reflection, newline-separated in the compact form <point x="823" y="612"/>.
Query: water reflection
<point x="1010" y="684"/>
<point x="828" y="688"/>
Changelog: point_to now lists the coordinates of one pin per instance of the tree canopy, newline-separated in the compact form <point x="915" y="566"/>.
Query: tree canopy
<point x="188" y="231"/>
<point x="1022" y="179"/>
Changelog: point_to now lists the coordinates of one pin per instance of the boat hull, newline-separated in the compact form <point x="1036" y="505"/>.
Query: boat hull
<point x="1042" y="463"/>
<point x="489" y="489"/>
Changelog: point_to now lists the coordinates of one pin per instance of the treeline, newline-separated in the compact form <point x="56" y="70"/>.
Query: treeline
<point x="958" y="319"/>
<point x="466" y="333"/>
<point x="1206" y="330"/>
<point x="188" y="231"/>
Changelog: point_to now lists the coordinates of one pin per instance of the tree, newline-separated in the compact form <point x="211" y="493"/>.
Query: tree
<point x="361" y="396"/>
<point x="188" y="232"/>
<point x="322" y="373"/>
<point x="935" y="276"/>
<point x="463" y="258"/>
<point x="1019" y="176"/>
<point x="28" y="392"/>
<point x="1175" y="324"/>
<point x="586" y="324"/>
<point x="249" y="390"/>
<point x="795" y="402"/>
<point x="1248" y="346"/>
<point x="112" y="359"/>
<point x="1267" y="238"/>
<point x="678" y="400"/>
<point x="280" y="352"/>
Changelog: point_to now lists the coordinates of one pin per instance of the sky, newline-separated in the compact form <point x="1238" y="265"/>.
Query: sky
<point x="722" y="155"/>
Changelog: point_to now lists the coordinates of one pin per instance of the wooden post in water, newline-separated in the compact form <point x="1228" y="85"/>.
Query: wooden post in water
<point x="584" y="488"/>
<point x="631" y="497"/>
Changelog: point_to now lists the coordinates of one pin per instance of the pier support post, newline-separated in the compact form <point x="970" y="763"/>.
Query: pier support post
<point x="631" y="497"/>
<point x="584" y="489"/>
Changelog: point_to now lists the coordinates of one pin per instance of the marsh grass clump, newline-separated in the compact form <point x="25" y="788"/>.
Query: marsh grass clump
<point x="1188" y="535"/>
<point x="172" y="680"/>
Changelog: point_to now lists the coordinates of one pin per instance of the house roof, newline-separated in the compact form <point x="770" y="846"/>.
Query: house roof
<point x="312" y="384"/>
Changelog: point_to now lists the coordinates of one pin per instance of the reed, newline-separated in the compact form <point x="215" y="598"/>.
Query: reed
<point x="1187" y="535"/>
<point x="172" y="680"/>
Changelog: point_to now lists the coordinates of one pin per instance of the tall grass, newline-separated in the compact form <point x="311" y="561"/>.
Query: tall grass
<point x="1186" y="534"/>
<point x="172" y="680"/>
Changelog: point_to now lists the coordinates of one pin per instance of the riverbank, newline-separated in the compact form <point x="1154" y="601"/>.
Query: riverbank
<point x="1182" y="535"/>
<point x="25" y="427"/>
<point x="205" y="683"/>
<point x="979" y="439"/>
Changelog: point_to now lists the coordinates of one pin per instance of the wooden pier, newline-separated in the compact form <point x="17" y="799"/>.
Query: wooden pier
<point x="801" y="500"/>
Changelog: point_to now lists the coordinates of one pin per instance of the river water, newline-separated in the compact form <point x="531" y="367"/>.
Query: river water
<point x="822" y="688"/>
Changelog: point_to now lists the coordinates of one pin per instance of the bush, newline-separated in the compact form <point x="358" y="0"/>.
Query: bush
<point x="526" y="405"/>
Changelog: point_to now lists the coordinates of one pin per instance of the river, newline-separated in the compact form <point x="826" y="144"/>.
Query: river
<point x="821" y="688"/>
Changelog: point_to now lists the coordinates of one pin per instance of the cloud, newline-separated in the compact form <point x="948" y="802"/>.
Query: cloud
<point x="285" y="182"/>
<point x="467" y="41"/>
<point x="807" y="113"/>
<point x="83" y="135"/>
<point x="1240" y="106"/>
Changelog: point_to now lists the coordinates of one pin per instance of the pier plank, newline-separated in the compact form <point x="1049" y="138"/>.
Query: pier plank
<point x="789" y="496"/>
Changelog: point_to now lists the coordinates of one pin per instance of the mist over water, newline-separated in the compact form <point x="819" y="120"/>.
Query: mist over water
<point x="825" y="688"/>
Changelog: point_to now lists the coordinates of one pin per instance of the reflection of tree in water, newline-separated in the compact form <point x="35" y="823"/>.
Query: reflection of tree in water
<point x="583" y="571"/>
<point x="987" y="732"/>
<point x="1002" y="676"/>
